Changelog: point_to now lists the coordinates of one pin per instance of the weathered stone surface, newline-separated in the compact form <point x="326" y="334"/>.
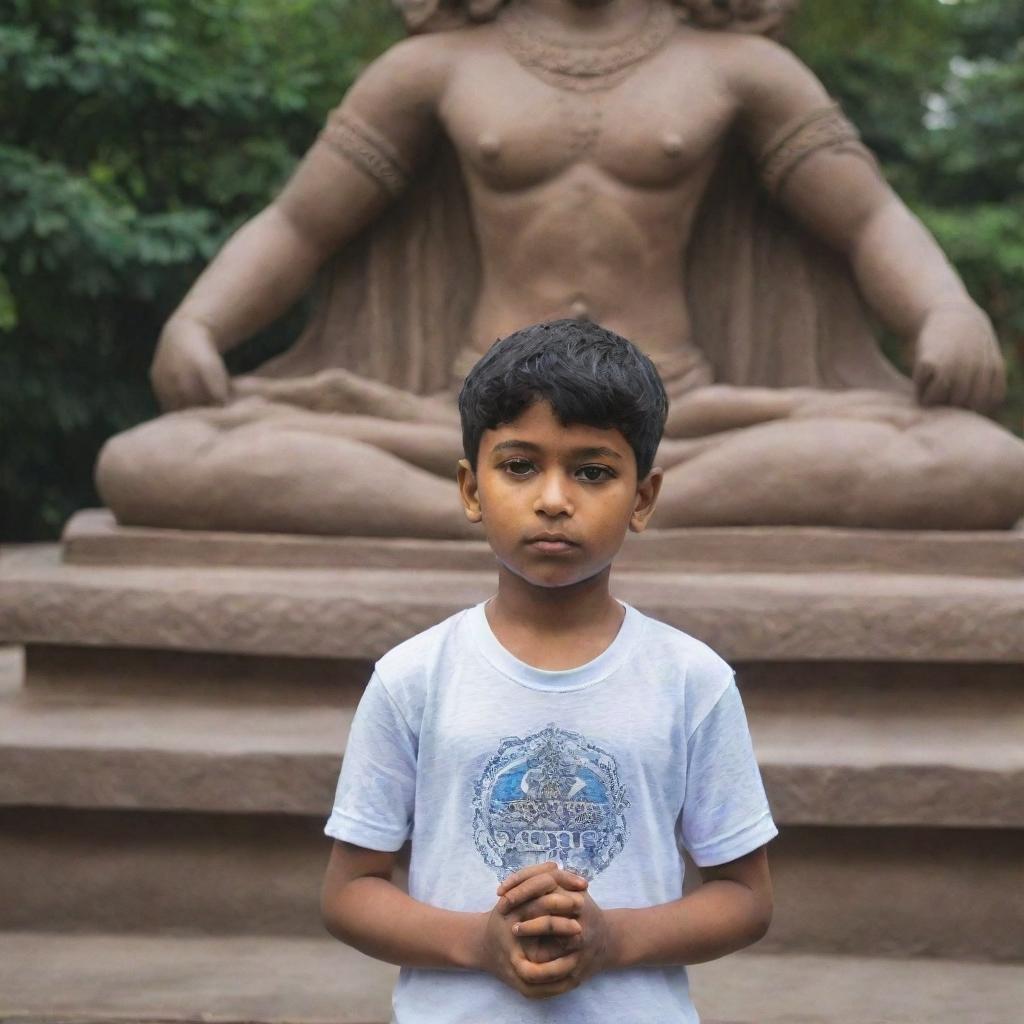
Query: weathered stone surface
<point x="171" y="756"/>
<point x="931" y="744"/>
<point x="361" y="613"/>
<point x="92" y="537"/>
<point x="884" y="891"/>
<point x="161" y="872"/>
<point x="261" y="980"/>
<point x="898" y="892"/>
<point x="309" y="613"/>
<point x="104" y="978"/>
<point x="927" y="766"/>
<point x="754" y="987"/>
<point x="103" y="674"/>
<point x="266" y="980"/>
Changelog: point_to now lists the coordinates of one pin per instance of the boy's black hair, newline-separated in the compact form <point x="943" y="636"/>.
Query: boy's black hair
<point x="589" y="374"/>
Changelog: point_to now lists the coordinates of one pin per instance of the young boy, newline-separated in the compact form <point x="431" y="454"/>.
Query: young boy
<point x="551" y="740"/>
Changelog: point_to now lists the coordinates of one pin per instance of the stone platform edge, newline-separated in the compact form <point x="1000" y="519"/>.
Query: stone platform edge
<point x="93" y="537"/>
<point x="362" y="613"/>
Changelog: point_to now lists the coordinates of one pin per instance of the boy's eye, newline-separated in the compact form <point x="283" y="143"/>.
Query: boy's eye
<point x="594" y="474"/>
<point x="518" y="467"/>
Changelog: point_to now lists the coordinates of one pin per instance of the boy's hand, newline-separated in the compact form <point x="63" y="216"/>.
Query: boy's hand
<point x="502" y="955"/>
<point x="541" y="892"/>
<point x="592" y="945"/>
<point x="539" y="898"/>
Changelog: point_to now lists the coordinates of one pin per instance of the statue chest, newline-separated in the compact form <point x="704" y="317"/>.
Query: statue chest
<point x="514" y="139"/>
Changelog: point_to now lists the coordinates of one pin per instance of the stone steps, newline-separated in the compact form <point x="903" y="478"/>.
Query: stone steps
<point x="362" y="613"/>
<point x="46" y="978"/>
<point x="167" y="764"/>
<point x="883" y="759"/>
<point x="144" y="807"/>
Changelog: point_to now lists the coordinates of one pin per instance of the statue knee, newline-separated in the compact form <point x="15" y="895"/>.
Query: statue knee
<point x="145" y="471"/>
<point x="973" y="471"/>
<point x="999" y="482"/>
<point x="117" y="469"/>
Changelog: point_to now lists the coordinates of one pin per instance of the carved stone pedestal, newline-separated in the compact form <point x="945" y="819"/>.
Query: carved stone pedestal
<point x="168" y="757"/>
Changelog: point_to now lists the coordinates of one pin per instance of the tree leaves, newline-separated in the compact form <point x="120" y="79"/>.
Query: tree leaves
<point x="138" y="134"/>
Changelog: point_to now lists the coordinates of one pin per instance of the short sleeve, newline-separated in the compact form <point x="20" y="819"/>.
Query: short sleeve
<point x="725" y="811"/>
<point x="373" y="805"/>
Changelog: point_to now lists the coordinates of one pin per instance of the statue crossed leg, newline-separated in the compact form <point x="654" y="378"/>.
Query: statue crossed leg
<point x="854" y="458"/>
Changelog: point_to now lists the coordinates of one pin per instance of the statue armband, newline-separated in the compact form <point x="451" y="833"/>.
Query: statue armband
<point x="824" y="128"/>
<point x="367" y="149"/>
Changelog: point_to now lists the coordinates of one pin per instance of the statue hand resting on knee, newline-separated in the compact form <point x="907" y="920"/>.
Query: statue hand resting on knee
<point x="660" y="167"/>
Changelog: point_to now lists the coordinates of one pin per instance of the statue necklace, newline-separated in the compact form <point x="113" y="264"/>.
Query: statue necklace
<point x="565" y="65"/>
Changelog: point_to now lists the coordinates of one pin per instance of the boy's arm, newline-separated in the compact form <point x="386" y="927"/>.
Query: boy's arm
<point x="731" y="910"/>
<point x="362" y="907"/>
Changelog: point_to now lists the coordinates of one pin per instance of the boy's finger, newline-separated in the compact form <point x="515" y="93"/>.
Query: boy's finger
<point x="563" y="877"/>
<point x="533" y="887"/>
<point x="547" y="925"/>
<point x="543" y="974"/>
<point x="540" y="951"/>
<point x="560" y="903"/>
<point x="524" y="873"/>
<point x="556" y="988"/>
<point x="546" y="949"/>
<point x="567" y="880"/>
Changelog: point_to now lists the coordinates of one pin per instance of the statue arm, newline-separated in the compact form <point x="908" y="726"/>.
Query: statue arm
<point x="814" y="163"/>
<point x="359" y="163"/>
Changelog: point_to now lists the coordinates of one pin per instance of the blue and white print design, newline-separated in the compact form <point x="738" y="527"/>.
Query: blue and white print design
<point x="550" y="796"/>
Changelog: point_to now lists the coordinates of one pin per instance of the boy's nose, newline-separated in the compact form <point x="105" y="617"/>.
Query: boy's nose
<point x="553" y="498"/>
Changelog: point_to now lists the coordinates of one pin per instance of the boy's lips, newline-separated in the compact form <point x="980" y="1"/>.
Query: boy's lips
<point x="551" y="542"/>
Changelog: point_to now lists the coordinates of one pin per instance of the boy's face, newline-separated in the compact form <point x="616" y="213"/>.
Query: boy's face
<point x="556" y="501"/>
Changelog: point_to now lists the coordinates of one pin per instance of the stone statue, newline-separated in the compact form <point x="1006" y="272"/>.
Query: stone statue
<point x="663" y="168"/>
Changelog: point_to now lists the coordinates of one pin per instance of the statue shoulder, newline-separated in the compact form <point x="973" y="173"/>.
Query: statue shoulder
<point x="387" y="120"/>
<point x="769" y="84"/>
<point x="751" y="62"/>
<point x="417" y="68"/>
<point x="415" y="74"/>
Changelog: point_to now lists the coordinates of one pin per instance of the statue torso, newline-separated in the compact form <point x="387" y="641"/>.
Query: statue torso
<point x="584" y="200"/>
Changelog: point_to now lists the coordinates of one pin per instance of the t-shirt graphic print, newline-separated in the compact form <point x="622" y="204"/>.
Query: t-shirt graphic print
<point x="550" y="796"/>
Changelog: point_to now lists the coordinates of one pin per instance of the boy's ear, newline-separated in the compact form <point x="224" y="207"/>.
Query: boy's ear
<point x="647" y="492"/>
<point x="468" y="492"/>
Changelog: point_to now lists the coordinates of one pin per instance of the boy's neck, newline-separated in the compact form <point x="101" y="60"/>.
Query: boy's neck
<point x="554" y="627"/>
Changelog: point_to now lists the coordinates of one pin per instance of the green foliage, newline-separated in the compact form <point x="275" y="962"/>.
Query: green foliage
<point x="937" y="89"/>
<point x="139" y="133"/>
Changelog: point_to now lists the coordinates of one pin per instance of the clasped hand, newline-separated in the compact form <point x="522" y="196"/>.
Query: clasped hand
<point x="545" y="935"/>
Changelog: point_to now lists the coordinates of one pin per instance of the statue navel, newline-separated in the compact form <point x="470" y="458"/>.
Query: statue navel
<point x="579" y="310"/>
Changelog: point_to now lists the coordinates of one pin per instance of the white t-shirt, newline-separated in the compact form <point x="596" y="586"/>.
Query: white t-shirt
<point x="489" y="765"/>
